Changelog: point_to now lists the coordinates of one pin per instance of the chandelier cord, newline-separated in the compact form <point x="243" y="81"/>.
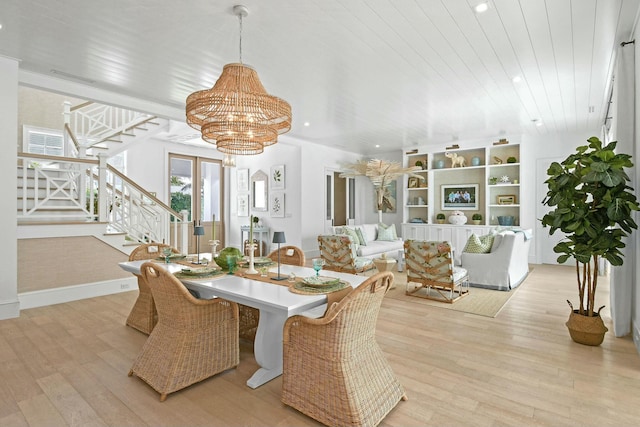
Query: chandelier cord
<point x="240" y="18"/>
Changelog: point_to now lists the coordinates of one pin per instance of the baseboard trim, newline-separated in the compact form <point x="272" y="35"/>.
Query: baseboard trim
<point x="636" y="337"/>
<point x="73" y="293"/>
<point x="9" y="309"/>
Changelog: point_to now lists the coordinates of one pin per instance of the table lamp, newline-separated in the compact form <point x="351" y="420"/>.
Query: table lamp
<point x="278" y="237"/>
<point x="198" y="231"/>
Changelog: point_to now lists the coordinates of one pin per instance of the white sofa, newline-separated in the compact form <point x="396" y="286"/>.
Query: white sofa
<point x="505" y="267"/>
<point x="374" y="248"/>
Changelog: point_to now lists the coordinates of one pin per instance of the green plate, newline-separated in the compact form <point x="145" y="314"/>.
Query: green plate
<point x="172" y="257"/>
<point x="204" y="271"/>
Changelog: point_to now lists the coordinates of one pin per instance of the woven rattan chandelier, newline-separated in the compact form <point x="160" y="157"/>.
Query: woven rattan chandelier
<point x="237" y="114"/>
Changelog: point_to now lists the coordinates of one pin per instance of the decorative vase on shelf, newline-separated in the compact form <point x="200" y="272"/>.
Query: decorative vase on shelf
<point x="457" y="218"/>
<point x="475" y="161"/>
<point x="440" y="164"/>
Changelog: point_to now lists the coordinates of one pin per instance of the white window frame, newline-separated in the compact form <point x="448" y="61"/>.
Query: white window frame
<point x="27" y="131"/>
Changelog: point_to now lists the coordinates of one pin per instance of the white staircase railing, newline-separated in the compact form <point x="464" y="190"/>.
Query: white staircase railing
<point x="93" y="123"/>
<point x="52" y="188"/>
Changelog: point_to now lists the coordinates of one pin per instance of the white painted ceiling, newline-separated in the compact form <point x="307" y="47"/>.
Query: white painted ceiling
<point x="397" y="73"/>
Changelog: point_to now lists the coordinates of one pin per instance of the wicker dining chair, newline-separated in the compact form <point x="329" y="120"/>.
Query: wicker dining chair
<point x="143" y="315"/>
<point x="339" y="254"/>
<point x="249" y="316"/>
<point x="334" y="371"/>
<point x="291" y="255"/>
<point x="193" y="340"/>
<point x="429" y="266"/>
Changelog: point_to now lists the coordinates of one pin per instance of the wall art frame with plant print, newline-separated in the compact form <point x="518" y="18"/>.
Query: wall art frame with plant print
<point x="276" y="205"/>
<point x="277" y="180"/>
<point x="243" y="205"/>
<point x="243" y="179"/>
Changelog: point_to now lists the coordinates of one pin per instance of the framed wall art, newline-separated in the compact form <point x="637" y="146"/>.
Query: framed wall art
<point x="277" y="204"/>
<point x="243" y="179"/>
<point x="277" y="177"/>
<point x="459" y="197"/>
<point x="243" y="205"/>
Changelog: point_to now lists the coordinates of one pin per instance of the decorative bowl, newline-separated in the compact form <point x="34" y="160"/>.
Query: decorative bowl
<point x="506" y="220"/>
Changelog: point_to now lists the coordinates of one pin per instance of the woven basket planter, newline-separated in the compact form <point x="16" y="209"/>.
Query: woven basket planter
<point x="586" y="330"/>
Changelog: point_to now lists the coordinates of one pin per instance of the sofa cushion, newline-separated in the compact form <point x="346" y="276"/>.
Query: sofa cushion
<point x="351" y="233"/>
<point x="387" y="232"/>
<point x="370" y="231"/>
<point x="479" y="244"/>
<point x="377" y="247"/>
<point x="362" y="237"/>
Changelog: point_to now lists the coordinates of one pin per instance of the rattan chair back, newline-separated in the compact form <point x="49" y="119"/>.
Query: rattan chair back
<point x="149" y="251"/>
<point x="336" y="360"/>
<point x="291" y="255"/>
<point x="193" y="339"/>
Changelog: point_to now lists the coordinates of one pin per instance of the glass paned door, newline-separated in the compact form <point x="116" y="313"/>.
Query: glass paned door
<point x="196" y="185"/>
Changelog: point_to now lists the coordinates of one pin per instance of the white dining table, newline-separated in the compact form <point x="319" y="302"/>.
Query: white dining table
<point x="275" y="302"/>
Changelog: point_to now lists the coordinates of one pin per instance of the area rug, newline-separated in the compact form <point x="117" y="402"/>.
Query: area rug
<point x="482" y="302"/>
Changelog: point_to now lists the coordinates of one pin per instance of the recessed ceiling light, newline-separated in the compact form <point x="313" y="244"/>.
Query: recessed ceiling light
<point x="377" y="145"/>
<point x="0" y="26"/>
<point x="517" y="79"/>
<point x="307" y="123"/>
<point x="481" y="7"/>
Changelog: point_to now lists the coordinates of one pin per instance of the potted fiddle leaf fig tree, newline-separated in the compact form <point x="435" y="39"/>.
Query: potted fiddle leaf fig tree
<point x="593" y="206"/>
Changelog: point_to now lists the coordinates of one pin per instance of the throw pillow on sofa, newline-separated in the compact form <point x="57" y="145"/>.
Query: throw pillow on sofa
<point x="352" y="233"/>
<point x="479" y="244"/>
<point x="387" y="232"/>
<point x="361" y="236"/>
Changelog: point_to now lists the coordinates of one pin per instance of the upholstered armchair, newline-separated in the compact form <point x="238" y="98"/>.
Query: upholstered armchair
<point x="334" y="371"/>
<point x="193" y="340"/>
<point x="339" y="254"/>
<point x="430" y="267"/>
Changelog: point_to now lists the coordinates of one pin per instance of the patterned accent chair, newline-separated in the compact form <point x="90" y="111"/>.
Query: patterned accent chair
<point x="339" y="254"/>
<point x="430" y="266"/>
<point x="333" y="369"/>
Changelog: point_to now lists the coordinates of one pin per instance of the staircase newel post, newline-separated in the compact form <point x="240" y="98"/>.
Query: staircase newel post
<point x="66" y="115"/>
<point x="103" y="197"/>
<point x="184" y="232"/>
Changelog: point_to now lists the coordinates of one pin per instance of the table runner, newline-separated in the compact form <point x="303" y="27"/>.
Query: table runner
<point x="334" y="294"/>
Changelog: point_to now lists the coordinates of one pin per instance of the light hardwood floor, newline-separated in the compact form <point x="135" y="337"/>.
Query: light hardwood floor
<point x="67" y="364"/>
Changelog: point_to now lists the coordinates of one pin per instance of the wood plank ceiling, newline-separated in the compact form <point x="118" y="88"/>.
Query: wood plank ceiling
<point x="394" y="73"/>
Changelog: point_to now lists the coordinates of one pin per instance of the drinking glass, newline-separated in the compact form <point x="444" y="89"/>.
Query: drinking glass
<point x="231" y="262"/>
<point x="317" y="265"/>
<point x="167" y="254"/>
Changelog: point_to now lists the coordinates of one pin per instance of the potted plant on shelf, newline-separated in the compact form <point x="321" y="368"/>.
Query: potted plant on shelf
<point x="440" y="218"/>
<point x="593" y="206"/>
<point x="476" y="218"/>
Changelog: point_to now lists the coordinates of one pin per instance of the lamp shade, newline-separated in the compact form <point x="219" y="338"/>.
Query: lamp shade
<point x="278" y="237"/>
<point x="198" y="230"/>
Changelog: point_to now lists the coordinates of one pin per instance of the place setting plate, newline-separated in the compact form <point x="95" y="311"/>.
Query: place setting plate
<point x="320" y="281"/>
<point x="172" y="257"/>
<point x="202" y="271"/>
<point x="257" y="261"/>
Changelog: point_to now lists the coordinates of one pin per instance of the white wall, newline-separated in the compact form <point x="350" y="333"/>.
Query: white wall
<point x="9" y="306"/>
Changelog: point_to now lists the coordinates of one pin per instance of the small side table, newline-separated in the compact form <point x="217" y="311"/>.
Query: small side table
<point x="385" y="264"/>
